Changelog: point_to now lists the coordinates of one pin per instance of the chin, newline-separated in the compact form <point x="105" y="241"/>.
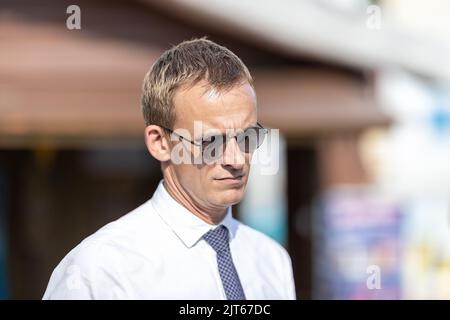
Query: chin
<point x="229" y="197"/>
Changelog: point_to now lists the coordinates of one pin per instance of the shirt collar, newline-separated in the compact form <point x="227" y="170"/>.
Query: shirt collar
<point x="187" y="226"/>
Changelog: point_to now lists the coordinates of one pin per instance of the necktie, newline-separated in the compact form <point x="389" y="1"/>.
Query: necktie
<point x="218" y="239"/>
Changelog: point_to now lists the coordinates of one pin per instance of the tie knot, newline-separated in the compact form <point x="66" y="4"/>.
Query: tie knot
<point x="217" y="238"/>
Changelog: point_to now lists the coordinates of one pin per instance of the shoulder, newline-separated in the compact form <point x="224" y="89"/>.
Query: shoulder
<point x="262" y="244"/>
<point x="121" y="236"/>
<point x="100" y="260"/>
<point x="78" y="274"/>
<point x="127" y="231"/>
<point x="271" y="258"/>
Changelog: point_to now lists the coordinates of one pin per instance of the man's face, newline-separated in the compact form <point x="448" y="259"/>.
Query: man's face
<point x="222" y="183"/>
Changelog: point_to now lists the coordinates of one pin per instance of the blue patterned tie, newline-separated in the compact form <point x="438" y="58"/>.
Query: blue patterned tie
<point x="218" y="239"/>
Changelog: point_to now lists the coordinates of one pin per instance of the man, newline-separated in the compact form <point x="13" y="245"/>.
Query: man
<point x="199" y="106"/>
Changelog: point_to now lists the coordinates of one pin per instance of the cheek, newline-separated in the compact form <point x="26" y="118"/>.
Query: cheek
<point x="195" y="178"/>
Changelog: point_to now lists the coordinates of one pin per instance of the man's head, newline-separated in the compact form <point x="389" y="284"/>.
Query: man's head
<point x="200" y="82"/>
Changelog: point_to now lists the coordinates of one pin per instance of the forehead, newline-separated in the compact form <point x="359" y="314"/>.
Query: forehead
<point x="233" y="108"/>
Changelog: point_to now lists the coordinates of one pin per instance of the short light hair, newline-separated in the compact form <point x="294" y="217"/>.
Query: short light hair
<point x="184" y="65"/>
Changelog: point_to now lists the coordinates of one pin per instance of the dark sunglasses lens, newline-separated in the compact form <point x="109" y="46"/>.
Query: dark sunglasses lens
<point x="248" y="141"/>
<point x="251" y="139"/>
<point x="213" y="148"/>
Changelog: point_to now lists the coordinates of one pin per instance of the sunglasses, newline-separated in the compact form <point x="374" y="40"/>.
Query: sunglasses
<point x="213" y="146"/>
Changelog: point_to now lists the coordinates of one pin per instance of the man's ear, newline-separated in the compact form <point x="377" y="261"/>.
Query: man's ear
<point x="157" y="143"/>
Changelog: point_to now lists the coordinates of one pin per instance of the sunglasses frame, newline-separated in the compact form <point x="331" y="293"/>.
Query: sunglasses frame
<point x="259" y="126"/>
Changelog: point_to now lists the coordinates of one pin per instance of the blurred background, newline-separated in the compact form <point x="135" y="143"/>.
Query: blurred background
<point x="359" y="90"/>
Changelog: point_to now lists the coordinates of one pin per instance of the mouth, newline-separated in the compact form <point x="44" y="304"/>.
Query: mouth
<point x="231" y="180"/>
<point x="238" y="177"/>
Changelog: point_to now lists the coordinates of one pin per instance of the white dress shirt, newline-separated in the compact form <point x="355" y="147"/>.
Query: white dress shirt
<point x="157" y="252"/>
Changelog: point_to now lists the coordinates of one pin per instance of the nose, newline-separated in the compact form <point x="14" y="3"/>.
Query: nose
<point x="232" y="155"/>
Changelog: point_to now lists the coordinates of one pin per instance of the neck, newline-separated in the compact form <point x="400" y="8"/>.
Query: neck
<point x="209" y="215"/>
